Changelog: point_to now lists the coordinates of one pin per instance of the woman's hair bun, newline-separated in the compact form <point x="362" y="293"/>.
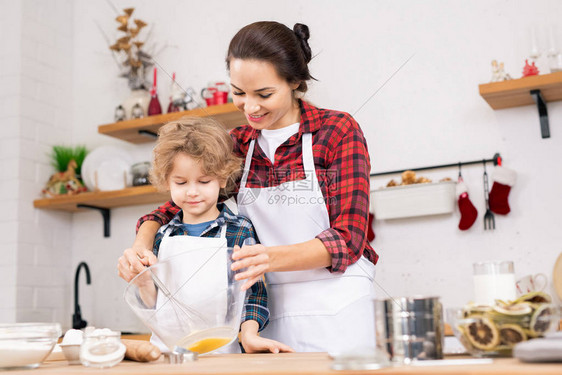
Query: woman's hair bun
<point x="276" y="43"/>
<point x="303" y="34"/>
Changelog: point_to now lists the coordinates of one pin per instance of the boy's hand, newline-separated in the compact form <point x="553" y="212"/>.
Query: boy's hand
<point x="256" y="261"/>
<point x="133" y="261"/>
<point x="139" y="256"/>
<point x="253" y="343"/>
<point x="257" y="344"/>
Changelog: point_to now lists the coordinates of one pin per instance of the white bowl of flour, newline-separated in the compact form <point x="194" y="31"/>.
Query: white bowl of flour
<point x="26" y="345"/>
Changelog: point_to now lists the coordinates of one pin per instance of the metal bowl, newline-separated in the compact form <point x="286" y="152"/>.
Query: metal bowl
<point x="26" y="345"/>
<point x="410" y="328"/>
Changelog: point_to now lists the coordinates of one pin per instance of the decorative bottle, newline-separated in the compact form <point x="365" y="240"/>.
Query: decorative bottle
<point x="154" y="107"/>
<point x="172" y="107"/>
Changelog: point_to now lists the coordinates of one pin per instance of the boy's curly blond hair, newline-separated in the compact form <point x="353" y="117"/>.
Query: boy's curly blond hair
<point x="204" y="140"/>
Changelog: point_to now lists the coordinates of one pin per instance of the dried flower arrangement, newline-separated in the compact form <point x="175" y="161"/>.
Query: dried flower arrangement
<point x="133" y="61"/>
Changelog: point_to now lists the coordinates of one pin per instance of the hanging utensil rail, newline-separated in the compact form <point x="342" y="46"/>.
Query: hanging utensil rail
<point x="496" y="160"/>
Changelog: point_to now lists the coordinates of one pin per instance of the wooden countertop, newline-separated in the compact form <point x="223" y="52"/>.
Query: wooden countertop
<point x="288" y="364"/>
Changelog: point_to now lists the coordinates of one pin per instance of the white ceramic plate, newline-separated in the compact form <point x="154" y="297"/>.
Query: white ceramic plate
<point x="111" y="165"/>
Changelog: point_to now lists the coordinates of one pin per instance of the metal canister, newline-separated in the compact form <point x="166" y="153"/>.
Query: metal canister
<point x="410" y="328"/>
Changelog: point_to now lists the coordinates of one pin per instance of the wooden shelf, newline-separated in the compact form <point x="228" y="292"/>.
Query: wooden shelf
<point x="131" y="130"/>
<point x="516" y="92"/>
<point x="131" y="196"/>
<point x="525" y="91"/>
<point x="136" y="131"/>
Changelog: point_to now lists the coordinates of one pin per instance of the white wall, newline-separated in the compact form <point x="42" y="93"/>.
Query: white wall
<point x="429" y="113"/>
<point x="9" y="153"/>
<point x="36" y="106"/>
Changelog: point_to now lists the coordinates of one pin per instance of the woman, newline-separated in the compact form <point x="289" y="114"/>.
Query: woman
<point x="305" y="187"/>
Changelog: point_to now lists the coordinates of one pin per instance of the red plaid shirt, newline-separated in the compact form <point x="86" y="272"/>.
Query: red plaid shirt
<point x="342" y="165"/>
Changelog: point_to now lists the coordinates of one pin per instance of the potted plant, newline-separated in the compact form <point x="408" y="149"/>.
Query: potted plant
<point x="67" y="162"/>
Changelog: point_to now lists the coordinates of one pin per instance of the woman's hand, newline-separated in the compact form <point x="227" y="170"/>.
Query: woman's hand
<point x="133" y="261"/>
<point x="253" y="343"/>
<point x="254" y="259"/>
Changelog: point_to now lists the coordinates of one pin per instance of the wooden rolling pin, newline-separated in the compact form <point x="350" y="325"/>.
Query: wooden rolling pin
<point x="140" y="351"/>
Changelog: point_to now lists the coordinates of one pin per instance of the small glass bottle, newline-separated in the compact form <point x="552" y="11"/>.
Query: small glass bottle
<point x="140" y="172"/>
<point x="102" y="348"/>
<point x="172" y="107"/>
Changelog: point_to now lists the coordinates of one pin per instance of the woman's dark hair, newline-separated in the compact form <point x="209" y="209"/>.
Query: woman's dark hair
<point x="286" y="49"/>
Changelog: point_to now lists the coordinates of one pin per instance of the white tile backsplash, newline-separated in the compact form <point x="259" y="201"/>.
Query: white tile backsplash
<point x="28" y="85"/>
<point x="8" y="249"/>
<point x="9" y="148"/>
<point x="39" y="109"/>
<point x="27" y="132"/>
<point x="39" y="274"/>
<point x="8" y="230"/>
<point x="10" y="128"/>
<point x="35" y="276"/>
<point x="8" y="273"/>
<point x="26" y="212"/>
<point x="35" y="314"/>
<point x="9" y="189"/>
<point x="36" y="70"/>
<point x="10" y="106"/>
<point x="29" y="49"/>
<point x="7" y="314"/>
<point x="25" y="252"/>
<point x="50" y="297"/>
<point x="8" y="293"/>
<point x="25" y="298"/>
<point x="8" y="206"/>
<point x="26" y="170"/>
<point x="10" y="65"/>
<point x="10" y="168"/>
<point x="11" y="82"/>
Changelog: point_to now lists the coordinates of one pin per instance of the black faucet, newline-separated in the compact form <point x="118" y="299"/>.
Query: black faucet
<point x="77" y="321"/>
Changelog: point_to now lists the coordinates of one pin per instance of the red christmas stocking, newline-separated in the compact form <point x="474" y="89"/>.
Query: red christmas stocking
<point x="370" y="232"/>
<point x="504" y="179"/>
<point x="469" y="213"/>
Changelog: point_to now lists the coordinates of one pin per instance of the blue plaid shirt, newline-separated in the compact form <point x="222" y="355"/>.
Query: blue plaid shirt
<point x="238" y="228"/>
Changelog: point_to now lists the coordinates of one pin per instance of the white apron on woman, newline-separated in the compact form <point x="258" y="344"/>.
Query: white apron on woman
<point x="211" y="281"/>
<point x="312" y="310"/>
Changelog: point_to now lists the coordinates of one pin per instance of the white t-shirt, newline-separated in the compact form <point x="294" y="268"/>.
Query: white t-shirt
<point x="270" y="140"/>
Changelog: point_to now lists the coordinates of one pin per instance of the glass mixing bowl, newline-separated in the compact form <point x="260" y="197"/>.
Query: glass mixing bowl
<point x="26" y="344"/>
<point x="493" y="331"/>
<point x="190" y="301"/>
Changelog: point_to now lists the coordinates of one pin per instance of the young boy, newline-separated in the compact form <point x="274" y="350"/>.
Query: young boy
<point x="193" y="160"/>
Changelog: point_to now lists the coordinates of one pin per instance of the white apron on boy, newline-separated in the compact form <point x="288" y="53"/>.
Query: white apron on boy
<point x="312" y="310"/>
<point x="211" y="281"/>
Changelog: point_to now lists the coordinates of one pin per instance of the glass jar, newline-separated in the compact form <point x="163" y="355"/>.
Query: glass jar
<point x="492" y="281"/>
<point x="102" y="348"/>
<point x="140" y="173"/>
